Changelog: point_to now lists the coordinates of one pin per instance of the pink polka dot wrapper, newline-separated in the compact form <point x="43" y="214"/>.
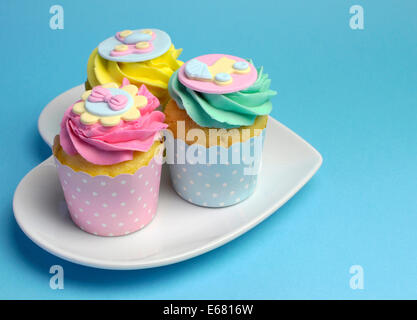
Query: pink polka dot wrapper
<point x="112" y="206"/>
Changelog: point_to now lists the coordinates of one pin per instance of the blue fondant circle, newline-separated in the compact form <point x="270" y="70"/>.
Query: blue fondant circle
<point x="223" y="77"/>
<point x="240" y="65"/>
<point x="161" y="44"/>
<point x="102" y="109"/>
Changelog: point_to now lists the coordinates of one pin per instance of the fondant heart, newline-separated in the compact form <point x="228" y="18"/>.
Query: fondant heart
<point x="137" y="37"/>
<point x="196" y="69"/>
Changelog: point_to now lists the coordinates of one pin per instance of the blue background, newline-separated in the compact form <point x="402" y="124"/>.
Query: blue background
<point x="351" y="93"/>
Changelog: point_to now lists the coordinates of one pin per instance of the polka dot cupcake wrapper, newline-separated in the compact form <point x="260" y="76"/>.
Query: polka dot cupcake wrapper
<point x="111" y="206"/>
<point x="218" y="184"/>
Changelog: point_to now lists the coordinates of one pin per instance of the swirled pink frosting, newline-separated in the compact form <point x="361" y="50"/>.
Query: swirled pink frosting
<point x="109" y="145"/>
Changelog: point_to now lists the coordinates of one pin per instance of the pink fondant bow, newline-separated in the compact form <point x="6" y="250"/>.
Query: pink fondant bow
<point x="115" y="102"/>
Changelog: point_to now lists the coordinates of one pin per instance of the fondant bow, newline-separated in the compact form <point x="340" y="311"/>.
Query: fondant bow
<point x="115" y="102"/>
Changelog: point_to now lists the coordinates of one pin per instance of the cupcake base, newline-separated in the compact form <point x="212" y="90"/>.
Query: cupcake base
<point x="214" y="177"/>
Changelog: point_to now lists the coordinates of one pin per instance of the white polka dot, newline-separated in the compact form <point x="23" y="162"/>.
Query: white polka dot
<point x="130" y="212"/>
<point x="81" y="210"/>
<point x="95" y="194"/>
<point x="184" y="169"/>
<point x="65" y="181"/>
<point x="114" y="194"/>
<point x="246" y="186"/>
<point x="104" y="225"/>
<point x="127" y="232"/>
<point x="113" y="215"/>
<point x="88" y="222"/>
<point x="214" y="195"/>
<point x="103" y="183"/>
<point x="132" y="191"/>
<point x="139" y="198"/>
<point x="151" y="189"/>
<point x="225" y="184"/>
<point x="96" y="214"/>
<point x="73" y="196"/>
<point x="232" y="193"/>
<point x="121" y="224"/>
<point x="198" y="193"/>
<point x="95" y="233"/>
<point x="145" y="205"/>
<point x="69" y="174"/>
<point x="191" y="182"/>
<point x="140" y="176"/>
<point x="156" y="172"/>
<point x="137" y="219"/>
<point x="141" y="226"/>
<point x="76" y="216"/>
<point x="241" y="179"/>
<point x="105" y="205"/>
<point x="87" y="202"/>
<point x="123" y="204"/>
<point x="237" y="200"/>
<point x="84" y="180"/>
<point x="204" y="203"/>
<point x="152" y="166"/>
<point x="189" y="200"/>
<point x="178" y="176"/>
<point x="221" y="204"/>
<point x="146" y="183"/>
<point x="123" y="182"/>
<point x="149" y="211"/>
<point x="217" y="175"/>
<point x="200" y="174"/>
<point x="78" y="189"/>
<point x="207" y="185"/>
<point x="185" y="188"/>
<point x="234" y="171"/>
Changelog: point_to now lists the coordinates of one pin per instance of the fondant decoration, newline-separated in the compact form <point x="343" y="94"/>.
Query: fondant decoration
<point x="116" y="99"/>
<point x="241" y="66"/>
<point x="214" y="185"/>
<point x="196" y="69"/>
<point x="217" y="74"/>
<point x="107" y="206"/>
<point x="223" y="78"/>
<point x="135" y="45"/>
<point x="108" y="104"/>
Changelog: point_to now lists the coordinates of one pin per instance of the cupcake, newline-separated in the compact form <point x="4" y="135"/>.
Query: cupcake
<point x="108" y="156"/>
<point x="216" y="127"/>
<point x="144" y="56"/>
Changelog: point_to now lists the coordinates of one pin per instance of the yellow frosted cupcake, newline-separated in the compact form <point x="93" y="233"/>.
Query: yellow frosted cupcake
<point x="109" y="156"/>
<point x="144" y="56"/>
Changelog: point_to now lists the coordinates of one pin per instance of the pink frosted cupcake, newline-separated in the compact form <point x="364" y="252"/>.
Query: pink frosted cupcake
<point x="109" y="157"/>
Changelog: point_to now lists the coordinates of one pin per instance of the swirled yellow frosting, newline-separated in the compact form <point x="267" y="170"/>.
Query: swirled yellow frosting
<point x="153" y="73"/>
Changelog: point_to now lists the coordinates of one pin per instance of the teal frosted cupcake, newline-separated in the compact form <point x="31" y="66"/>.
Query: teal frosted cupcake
<point x="217" y="118"/>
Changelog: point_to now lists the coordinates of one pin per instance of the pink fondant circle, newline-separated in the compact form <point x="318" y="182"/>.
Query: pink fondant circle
<point x="240" y="81"/>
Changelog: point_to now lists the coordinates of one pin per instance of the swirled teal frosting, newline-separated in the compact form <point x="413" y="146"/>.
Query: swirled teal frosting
<point x="229" y="110"/>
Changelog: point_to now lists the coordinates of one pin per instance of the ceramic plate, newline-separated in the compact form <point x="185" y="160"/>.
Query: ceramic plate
<point x="180" y="230"/>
